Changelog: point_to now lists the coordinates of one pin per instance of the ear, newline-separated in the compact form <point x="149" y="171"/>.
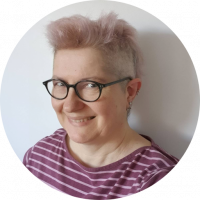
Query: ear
<point x="132" y="89"/>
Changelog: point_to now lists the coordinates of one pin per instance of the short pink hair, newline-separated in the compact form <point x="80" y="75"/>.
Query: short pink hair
<point x="113" y="37"/>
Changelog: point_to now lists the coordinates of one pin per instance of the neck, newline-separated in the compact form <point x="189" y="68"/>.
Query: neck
<point x="105" y="150"/>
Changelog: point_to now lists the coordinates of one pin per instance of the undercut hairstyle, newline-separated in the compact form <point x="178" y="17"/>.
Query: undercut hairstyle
<point x="114" y="38"/>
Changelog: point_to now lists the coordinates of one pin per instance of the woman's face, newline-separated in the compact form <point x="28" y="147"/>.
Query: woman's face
<point x="108" y="113"/>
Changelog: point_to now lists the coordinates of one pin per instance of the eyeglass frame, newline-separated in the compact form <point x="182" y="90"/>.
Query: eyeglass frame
<point x="100" y="85"/>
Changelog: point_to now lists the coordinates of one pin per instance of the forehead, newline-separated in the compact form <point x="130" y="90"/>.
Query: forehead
<point x="78" y="56"/>
<point x="75" y="64"/>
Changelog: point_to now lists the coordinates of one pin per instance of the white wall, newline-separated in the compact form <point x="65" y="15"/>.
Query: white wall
<point x="166" y="108"/>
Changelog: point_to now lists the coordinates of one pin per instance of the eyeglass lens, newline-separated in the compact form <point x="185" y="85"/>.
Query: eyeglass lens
<point x="86" y="90"/>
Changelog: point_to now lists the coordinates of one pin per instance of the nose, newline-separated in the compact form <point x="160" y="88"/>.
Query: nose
<point x="72" y="94"/>
<point x="72" y="102"/>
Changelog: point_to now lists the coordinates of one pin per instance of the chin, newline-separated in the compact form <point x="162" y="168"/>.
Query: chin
<point x="78" y="138"/>
<point x="80" y="133"/>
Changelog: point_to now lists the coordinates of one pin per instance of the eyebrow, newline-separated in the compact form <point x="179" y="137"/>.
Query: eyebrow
<point x="94" y="78"/>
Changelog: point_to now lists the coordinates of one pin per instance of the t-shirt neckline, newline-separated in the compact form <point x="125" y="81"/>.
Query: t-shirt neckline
<point x="111" y="166"/>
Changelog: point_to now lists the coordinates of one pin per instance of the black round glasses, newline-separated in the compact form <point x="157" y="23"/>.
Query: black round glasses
<point x="86" y="90"/>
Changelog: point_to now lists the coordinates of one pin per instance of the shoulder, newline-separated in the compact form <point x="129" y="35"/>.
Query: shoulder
<point x="155" y="152"/>
<point x="52" y="140"/>
<point x="155" y="164"/>
<point x="49" y="143"/>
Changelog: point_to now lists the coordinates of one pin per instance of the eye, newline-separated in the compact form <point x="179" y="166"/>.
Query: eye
<point x="58" y="83"/>
<point x="91" y="85"/>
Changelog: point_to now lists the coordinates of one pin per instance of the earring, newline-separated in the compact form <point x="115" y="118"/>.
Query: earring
<point x="130" y="103"/>
<point x="137" y="92"/>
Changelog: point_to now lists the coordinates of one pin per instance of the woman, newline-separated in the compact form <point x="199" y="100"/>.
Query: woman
<point x="96" y="76"/>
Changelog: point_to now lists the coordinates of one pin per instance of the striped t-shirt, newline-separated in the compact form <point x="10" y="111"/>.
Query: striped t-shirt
<point x="50" y="161"/>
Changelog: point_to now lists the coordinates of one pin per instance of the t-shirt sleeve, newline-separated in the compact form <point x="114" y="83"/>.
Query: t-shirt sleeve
<point x="26" y="157"/>
<point x="154" y="177"/>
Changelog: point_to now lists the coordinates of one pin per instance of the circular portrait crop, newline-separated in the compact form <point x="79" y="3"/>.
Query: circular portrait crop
<point x="106" y="100"/>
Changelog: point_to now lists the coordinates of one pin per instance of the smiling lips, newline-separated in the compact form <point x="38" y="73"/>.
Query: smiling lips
<point x="81" y="120"/>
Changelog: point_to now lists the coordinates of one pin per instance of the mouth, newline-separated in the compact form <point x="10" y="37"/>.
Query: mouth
<point x="80" y="123"/>
<point x="82" y="120"/>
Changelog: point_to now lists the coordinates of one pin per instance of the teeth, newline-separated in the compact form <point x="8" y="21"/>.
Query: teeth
<point x="82" y="120"/>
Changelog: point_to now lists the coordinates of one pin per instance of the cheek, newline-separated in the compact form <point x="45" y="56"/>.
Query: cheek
<point x="57" y="105"/>
<point x="110" y="107"/>
<point x="107" y="110"/>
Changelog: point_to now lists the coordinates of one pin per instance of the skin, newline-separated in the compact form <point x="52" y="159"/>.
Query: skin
<point x="108" y="137"/>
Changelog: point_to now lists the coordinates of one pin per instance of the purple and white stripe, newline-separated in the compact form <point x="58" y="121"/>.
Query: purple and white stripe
<point x="51" y="162"/>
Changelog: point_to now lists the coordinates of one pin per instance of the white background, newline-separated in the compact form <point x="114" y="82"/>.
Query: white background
<point x="166" y="109"/>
